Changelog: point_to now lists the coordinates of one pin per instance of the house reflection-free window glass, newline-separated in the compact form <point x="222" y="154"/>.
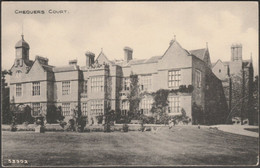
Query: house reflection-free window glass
<point x="174" y="78"/>
<point x="85" y="87"/>
<point x="146" y="105"/>
<point x="145" y="82"/>
<point x="66" y="88"/>
<point x="126" y="84"/>
<point x="36" y="90"/>
<point x="174" y="104"/>
<point x="97" y="84"/>
<point x="19" y="90"/>
<point x="198" y="78"/>
<point x="125" y="107"/>
<point x="85" y="109"/>
<point x="97" y="107"/>
<point x="65" y="109"/>
<point x="36" y="109"/>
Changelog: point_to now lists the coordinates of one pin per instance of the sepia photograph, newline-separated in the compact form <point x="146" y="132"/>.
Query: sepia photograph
<point x="119" y="84"/>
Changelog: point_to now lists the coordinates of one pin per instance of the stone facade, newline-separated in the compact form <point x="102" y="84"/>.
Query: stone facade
<point x="104" y="83"/>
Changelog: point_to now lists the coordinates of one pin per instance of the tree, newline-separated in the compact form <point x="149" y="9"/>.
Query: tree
<point x="236" y="89"/>
<point x="181" y="118"/>
<point x="77" y="122"/>
<point x="5" y="104"/>
<point x="197" y="114"/>
<point x="255" y="106"/>
<point x="109" y="119"/>
<point x="159" y="105"/>
<point x="134" y="97"/>
<point x="54" y="114"/>
<point x="241" y="94"/>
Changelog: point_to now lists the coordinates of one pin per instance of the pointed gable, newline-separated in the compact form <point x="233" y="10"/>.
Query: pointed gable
<point x="220" y="70"/>
<point x="202" y="54"/>
<point x="102" y="58"/>
<point x="175" y="57"/>
<point x="199" y="53"/>
<point x="36" y="68"/>
<point x="207" y="58"/>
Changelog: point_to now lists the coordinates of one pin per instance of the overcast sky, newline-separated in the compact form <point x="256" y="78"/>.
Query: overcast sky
<point x="147" y="27"/>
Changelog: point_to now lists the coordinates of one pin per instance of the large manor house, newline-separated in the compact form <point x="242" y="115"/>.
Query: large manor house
<point x="104" y="83"/>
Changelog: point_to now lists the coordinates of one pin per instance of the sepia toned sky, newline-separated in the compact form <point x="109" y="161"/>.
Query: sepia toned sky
<point x="147" y="27"/>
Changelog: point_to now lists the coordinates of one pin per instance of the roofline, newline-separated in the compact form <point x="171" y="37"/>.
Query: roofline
<point x="216" y="62"/>
<point x="175" y="41"/>
<point x="105" y="57"/>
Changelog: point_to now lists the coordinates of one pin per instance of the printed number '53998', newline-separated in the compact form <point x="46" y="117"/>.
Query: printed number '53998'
<point x="17" y="161"/>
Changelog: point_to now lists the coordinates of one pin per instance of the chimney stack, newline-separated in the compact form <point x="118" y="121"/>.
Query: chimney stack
<point x="90" y="57"/>
<point x="42" y="60"/>
<point x="128" y="54"/>
<point x="73" y="62"/>
<point x="236" y="52"/>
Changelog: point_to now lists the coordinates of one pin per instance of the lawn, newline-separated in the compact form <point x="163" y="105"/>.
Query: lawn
<point x="181" y="145"/>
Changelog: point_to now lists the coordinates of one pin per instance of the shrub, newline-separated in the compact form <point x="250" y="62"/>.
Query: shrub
<point x="81" y="123"/>
<point x="190" y="88"/>
<point x="13" y="124"/>
<point x="54" y="129"/>
<point x="197" y="114"/>
<point x="54" y="114"/>
<point x="13" y="127"/>
<point x="26" y="129"/>
<point x="39" y="121"/>
<point x="71" y="125"/>
<point x="62" y="124"/>
<point x="107" y="127"/>
<point x="26" y="123"/>
<point x="125" y="127"/>
<point x="182" y="88"/>
<point x="27" y="115"/>
<point x="181" y="118"/>
<point x="100" y="119"/>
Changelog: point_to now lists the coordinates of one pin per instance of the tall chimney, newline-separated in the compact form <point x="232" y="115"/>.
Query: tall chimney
<point x="73" y="62"/>
<point x="90" y="57"/>
<point x="236" y="52"/>
<point x="128" y="54"/>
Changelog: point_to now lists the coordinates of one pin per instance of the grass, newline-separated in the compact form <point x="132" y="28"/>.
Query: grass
<point x="181" y="145"/>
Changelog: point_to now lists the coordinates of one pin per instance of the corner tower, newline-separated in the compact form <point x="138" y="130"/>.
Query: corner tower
<point x="22" y="51"/>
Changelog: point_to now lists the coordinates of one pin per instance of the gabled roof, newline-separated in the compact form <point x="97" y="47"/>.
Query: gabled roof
<point x="171" y="44"/>
<point x="153" y="59"/>
<point x="66" y="68"/>
<point x="136" y="61"/>
<point x="44" y="63"/>
<point x="47" y="68"/>
<point x="119" y="62"/>
<point x="244" y="62"/>
<point x="102" y="54"/>
<point x="226" y="62"/>
<point x="219" y="60"/>
<point x="200" y="53"/>
<point x="213" y="64"/>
